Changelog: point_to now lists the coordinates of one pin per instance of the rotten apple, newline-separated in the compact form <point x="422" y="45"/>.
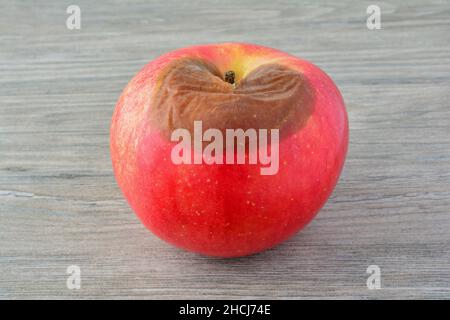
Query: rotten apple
<point x="228" y="149"/>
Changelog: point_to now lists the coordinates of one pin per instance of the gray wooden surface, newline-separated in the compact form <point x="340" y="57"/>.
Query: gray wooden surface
<point x="60" y="205"/>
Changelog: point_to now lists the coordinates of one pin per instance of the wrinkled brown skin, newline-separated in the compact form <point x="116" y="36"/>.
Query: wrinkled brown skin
<point x="228" y="210"/>
<point x="271" y="96"/>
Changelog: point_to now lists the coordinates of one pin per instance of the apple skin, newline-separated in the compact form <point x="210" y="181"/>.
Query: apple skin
<point x="227" y="210"/>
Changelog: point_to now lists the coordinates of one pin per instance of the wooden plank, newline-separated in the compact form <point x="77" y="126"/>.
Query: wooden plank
<point x="60" y="205"/>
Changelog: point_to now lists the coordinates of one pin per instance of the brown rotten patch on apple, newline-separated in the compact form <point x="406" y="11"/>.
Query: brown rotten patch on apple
<point x="271" y="96"/>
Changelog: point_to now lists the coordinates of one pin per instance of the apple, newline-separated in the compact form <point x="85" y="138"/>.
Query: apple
<point x="186" y="191"/>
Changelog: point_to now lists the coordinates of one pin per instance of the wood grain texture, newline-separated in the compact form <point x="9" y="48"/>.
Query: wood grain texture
<point x="60" y="205"/>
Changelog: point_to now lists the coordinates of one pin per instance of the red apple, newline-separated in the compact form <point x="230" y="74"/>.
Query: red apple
<point x="228" y="209"/>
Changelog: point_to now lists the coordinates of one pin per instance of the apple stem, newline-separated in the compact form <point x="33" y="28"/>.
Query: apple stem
<point x="229" y="77"/>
